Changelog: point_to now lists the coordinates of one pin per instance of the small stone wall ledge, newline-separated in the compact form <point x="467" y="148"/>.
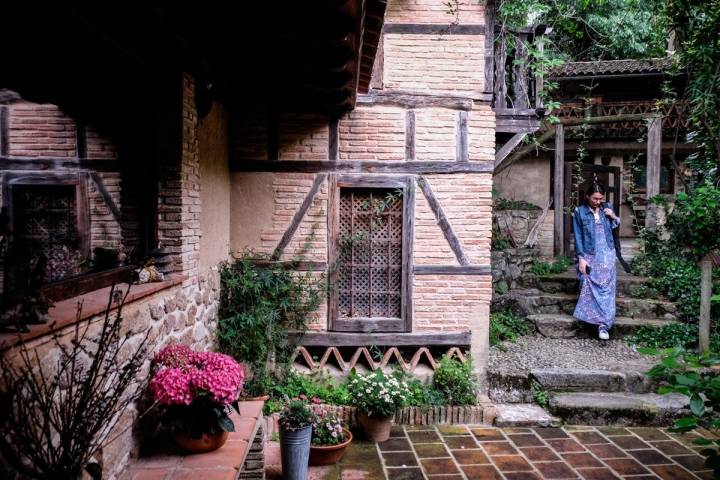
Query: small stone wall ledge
<point x="64" y="313"/>
<point x="240" y="458"/>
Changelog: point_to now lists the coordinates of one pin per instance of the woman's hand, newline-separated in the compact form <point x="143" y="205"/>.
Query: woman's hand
<point x="610" y="213"/>
<point x="582" y="264"/>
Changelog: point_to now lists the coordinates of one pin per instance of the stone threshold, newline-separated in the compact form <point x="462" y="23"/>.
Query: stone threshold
<point x="240" y="458"/>
<point x="64" y="313"/>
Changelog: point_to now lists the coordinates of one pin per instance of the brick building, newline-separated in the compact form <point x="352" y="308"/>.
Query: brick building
<point x="194" y="136"/>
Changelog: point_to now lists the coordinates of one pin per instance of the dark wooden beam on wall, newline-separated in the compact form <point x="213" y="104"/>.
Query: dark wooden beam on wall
<point x="4" y="130"/>
<point x="298" y="217"/>
<point x="410" y="135"/>
<point x="558" y="192"/>
<point x="461" y="137"/>
<point x="452" y="270"/>
<point x="333" y="138"/>
<point x="107" y="198"/>
<point x="442" y="221"/>
<point x="360" y="166"/>
<point x="654" y="157"/>
<point x="415" y="100"/>
<point x="342" y="339"/>
<point x="58" y="164"/>
<point x="408" y="234"/>
<point x="489" y="66"/>
<point x="505" y="150"/>
<point x="433" y="29"/>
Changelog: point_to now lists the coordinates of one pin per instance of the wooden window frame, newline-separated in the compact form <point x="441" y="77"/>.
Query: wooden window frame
<point x="370" y="325"/>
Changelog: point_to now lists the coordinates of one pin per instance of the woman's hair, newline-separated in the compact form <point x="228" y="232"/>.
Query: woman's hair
<point x="595" y="188"/>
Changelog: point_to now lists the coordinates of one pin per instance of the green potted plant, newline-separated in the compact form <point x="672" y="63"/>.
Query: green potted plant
<point x="329" y="438"/>
<point x="195" y="391"/>
<point x="296" y="421"/>
<point x="377" y="396"/>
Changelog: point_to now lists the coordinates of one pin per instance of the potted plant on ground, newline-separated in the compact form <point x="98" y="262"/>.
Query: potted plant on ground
<point x="377" y="396"/>
<point x="296" y="421"/>
<point x="329" y="438"/>
<point x="195" y="391"/>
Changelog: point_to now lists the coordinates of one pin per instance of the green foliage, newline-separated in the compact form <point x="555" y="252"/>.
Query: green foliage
<point x="456" y="381"/>
<point x="260" y="301"/>
<point x="668" y="336"/>
<point x="296" y="414"/>
<point x="539" y="394"/>
<point x="501" y="288"/>
<point x="317" y="385"/>
<point x="694" y="376"/>
<point x="506" y="326"/>
<point x="559" y="265"/>
<point x="694" y="221"/>
<point x="500" y="203"/>
<point x="422" y="393"/>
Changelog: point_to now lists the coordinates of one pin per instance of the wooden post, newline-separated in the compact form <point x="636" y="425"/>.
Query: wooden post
<point x="705" y="294"/>
<point x="558" y="185"/>
<point x="654" y="145"/>
<point x="520" y="78"/>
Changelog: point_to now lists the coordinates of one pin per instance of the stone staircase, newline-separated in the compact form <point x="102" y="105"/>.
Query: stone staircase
<point x="558" y="360"/>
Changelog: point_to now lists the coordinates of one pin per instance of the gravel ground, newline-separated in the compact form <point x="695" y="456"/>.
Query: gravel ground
<point x="539" y="352"/>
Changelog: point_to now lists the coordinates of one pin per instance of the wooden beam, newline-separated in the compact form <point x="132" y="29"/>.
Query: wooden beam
<point x="333" y="138"/>
<point x="408" y="235"/>
<point x="558" y="200"/>
<point x="410" y="135"/>
<point x="360" y="166"/>
<point x="547" y="135"/>
<point x="461" y="137"/>
<point x="435" y="28"/>
<point x="415" y="100"/>
<point x="654" y="156"/>
<point x="58" y="163"/>
<point x="339" y="339"/>
<point x="299" y="215"/>
<point x="107" y="198"/>
<point x="452" y="270"/>
<point x="81" y="139"/>
<point x="442" y="222"/>
<point x="505" y="150"/>
<point x="705" y="293"/>
<point x="489" y="46"/>
<point x="4" y="130"/>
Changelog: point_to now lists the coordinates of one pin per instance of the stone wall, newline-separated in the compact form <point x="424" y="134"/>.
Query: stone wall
<point x="510" y="265"/>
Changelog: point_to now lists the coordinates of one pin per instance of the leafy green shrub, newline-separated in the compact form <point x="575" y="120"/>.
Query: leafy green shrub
<point x="540" y="395"/>
<point x="559" y="265"/>
<point x="506" y="326"/>
<point x="456" y="381"/>
<point x="668" y="336"/>
<point x="500" y="203"/>
<point x="423" y="393"/>
<point x="694" y="222"/>
<point x="316" y="385"/>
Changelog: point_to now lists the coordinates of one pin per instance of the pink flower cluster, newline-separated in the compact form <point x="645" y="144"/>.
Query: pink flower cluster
<point x="185" y="374"/>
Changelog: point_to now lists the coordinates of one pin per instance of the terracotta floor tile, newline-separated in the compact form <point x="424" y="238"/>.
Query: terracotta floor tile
<point x="626" y="466"/>
<point x="691" y="462"/>
<point x="629" y="443"/>
<point x="453" y="429"/>
<point x="597" y="474"/>
<point x="397" y="431"/>
<point x="395" y="445"/>
<point x="456" y="443"/>
<point x="512" y="463"/>
<point x="672" y="472"/>
<point x="431" y="450"/>
<point x="555" y="470"/>
<point x="706" y="475"/>
<point x="486" y="434"/>
<point x="513" y="430"/>
<point x="551" y="433"/>
<point x="540" y="454"/>
<point x="445" y="477"/>
<point x="606" y="451"/>
<point x="470" y="457"/>
<point x="424" y="436"/>
<point x="499" y="448"/>
<point x="205" y="474"/>
<point x="672" y="448"/>
<point x="439" y="466"/>
<point x="400" y="459"/>
<point x="484" y="472"/>
<point x="589" y="438"/>
<point x="405" y="474"/>
<point x="650" y="434"/>
<point x="526" y="440"/>
<point x="581" y="460"/>
<point x="566" y="445"/>
<point x="613" y="431"/>
<point x="649" y="457"/>
<point x="522" y="476"/>
<point x="415" y="428"/>
<point x="151" y="474"/>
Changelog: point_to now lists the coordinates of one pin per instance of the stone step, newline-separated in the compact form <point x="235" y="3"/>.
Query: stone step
<point x="630" y="409"/>
<point x="632" y="379"/>
<point x="532" y="302"/>
<point x="567" y="282"/>
<point x="509" y="415"/>
<point x="554" y="325"/>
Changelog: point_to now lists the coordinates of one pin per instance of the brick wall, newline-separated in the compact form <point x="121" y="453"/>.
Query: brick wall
<point x="372" y="133"/>
<point x="40" y="131"/>
<point x="435" y="134"/>
<point x="435" y="11"/>
<point x="302" y="137"/>
<point x="249" y="135"/>
<point x="481" y="134"/>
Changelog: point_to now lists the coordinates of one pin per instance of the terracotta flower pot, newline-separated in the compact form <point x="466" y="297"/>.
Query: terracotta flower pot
<point x="329" y="454"/>
<point x="262" y="398"/>
<point x="206" y="443"/>
<point x="377" y="428"/>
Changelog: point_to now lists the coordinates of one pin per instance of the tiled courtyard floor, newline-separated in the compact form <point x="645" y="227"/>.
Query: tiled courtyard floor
<point x="450" y="452"/>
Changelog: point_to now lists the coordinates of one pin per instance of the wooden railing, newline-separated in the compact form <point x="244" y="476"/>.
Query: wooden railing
<point x="674" y="116"/>
<point x="517" y="91"/>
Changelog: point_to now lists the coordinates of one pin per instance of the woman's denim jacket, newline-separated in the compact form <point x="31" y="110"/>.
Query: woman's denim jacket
<point x="584" y="229"/>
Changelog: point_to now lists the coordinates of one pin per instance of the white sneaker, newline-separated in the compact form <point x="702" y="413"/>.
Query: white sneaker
<point x="604" y="335"/>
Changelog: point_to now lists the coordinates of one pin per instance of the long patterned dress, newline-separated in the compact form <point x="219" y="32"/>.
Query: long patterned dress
<point x="596" y="304"/>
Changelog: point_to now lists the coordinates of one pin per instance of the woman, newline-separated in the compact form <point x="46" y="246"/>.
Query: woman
<point x="595" y="250"/>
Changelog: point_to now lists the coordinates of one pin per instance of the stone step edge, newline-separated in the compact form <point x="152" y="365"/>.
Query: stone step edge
<point x="573" y="296"/>
<point x="623" y="321"/>
<point x="510" y="415"/>
<point x="481" y="414"/>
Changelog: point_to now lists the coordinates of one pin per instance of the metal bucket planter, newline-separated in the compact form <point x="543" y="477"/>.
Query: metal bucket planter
<point x="295" y="452"/>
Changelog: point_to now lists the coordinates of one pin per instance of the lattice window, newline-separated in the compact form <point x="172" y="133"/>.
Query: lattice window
<point x="370" y="239"/>
<point x="46" y="222"/>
